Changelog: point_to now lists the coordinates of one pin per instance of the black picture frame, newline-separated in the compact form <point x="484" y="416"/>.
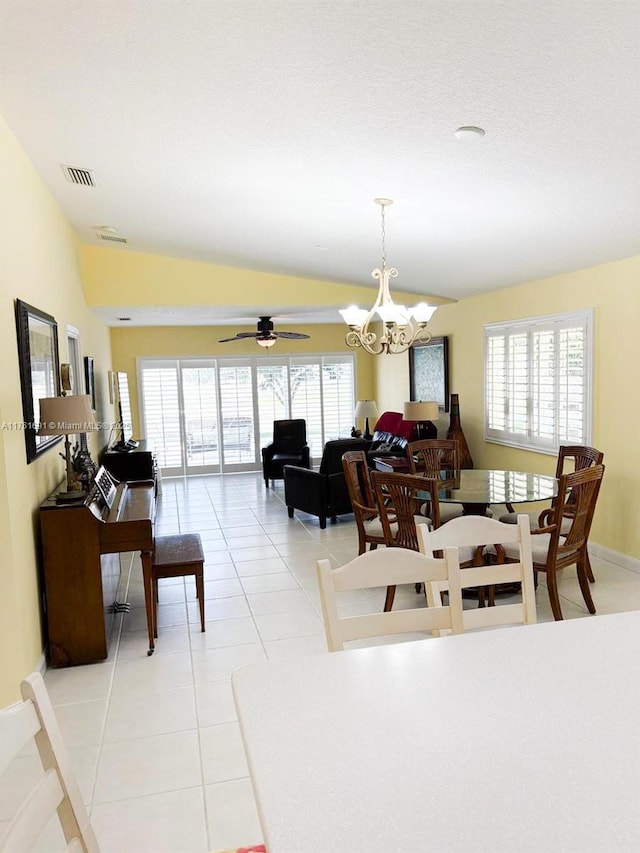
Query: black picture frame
<point x="90" y="380"/>
<point x="39" y="372"/>
<point x="429" y="371"/>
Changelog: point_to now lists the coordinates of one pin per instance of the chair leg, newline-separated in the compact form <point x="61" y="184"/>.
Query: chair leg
<point x="323" y="522"/>
<point x="552" y="586"/>
<point x="583" y="580"/>
<point x="388" y="602"/>
<point x="290" y="511"/>
<point x="590" y="574"/>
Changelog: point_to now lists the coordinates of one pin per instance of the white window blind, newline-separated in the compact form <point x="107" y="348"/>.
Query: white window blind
<point x="538" y="381"/>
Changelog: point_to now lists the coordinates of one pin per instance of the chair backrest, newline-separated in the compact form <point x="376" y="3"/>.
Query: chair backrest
<point x="582" y="457"/>
<point x="382" y="568"/>
<point x="398" y="498"/>
<point x="57" y="790"/>
<point x="474" y="531"/>
<point x="358" y="477"/>
<point x="290" y="435"/>
<point x="431" y="456"/>
<point x="577" y="497"/>
<point x="331" y="462"/>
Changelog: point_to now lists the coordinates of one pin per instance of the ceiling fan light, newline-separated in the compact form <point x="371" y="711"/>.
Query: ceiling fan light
<point x="266" y="342"/>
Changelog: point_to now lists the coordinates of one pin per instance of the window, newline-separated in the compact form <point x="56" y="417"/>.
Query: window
<point x="538" y="381"/>
<point x="207" y="415"/>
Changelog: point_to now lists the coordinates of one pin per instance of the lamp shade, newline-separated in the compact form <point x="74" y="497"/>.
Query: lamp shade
<point x="366" y="409"/>
<point x="419" y="410"/>
<point x="66" y="415"/>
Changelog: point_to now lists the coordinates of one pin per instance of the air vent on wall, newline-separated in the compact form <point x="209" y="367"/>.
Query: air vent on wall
<point x="112" y="238"/>
<point x="76" y="175"/>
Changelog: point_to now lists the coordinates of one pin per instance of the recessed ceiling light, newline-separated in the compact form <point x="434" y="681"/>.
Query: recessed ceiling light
<point x="321" y="248"/>
<point x="469" y="133"/>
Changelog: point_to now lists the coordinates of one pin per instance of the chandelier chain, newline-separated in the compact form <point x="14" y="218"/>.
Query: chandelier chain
<point x="384" y="239"/>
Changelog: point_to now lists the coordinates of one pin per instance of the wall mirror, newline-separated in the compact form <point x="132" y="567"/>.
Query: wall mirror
<point x="429" y="372"/>
<point x="39" y="371"/>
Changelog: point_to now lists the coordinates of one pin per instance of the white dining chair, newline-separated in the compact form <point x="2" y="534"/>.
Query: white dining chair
<point x="56" y="790"/>
<point x="474" y="531"/>
<point x="388" y="567"/>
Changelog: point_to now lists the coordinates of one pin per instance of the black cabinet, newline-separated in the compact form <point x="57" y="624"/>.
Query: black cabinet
<point x="137" y="464"/>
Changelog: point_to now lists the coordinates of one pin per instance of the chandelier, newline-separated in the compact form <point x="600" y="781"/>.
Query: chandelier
<point x="402" y="326"/>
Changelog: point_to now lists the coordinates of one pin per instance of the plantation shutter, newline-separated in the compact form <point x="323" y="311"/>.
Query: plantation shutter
<point x="161" y="411"/>
<point x="538" y="381"/>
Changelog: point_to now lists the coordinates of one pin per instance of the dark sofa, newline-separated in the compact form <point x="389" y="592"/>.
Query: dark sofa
<point x="323" y="493"/>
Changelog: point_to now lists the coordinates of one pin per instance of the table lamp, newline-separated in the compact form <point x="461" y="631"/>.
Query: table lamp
<point x="423" y="413"/>
<point x="67" y="416"/>
<point x="366" y="409"/>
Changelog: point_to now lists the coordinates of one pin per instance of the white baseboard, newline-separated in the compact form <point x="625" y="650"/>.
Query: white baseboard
<point x="622" y="560"/>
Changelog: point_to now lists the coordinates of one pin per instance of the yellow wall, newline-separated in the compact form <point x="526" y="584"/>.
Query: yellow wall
<point x="38" y="264"/>
<point x="129" y="343"/>
<point x="613" y="290"/>
<point x="114" y="277"/>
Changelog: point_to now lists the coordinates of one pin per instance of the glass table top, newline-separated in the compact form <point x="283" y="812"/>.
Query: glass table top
<point x="496" y="487"/>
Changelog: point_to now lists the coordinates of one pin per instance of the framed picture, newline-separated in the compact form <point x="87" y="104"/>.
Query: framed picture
<point x="429" y="372"/>
<point x="39" y="371"/>
<point x="89" y="379"/>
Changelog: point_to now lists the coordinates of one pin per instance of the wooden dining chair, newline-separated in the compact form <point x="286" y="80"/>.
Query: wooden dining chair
<point x="577" y="457"/>
<point x="429" y="457"/>
<point x="556" y="546"/>
<point x="54" y="791"/>
<point x="399" y="498"/>
<point x="476" y="532"/>
<point x="365" y="510"/>
<point x="385" y="568"/>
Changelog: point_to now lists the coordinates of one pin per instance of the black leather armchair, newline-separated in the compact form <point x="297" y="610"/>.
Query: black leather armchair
<point x="289" y="447"/>
<point x="323" y="493"/>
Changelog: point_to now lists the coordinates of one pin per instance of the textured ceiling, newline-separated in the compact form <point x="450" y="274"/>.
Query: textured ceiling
<point x="256" y="134"/>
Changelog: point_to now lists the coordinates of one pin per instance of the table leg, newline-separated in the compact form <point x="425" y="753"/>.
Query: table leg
<point x="147" y="559"/>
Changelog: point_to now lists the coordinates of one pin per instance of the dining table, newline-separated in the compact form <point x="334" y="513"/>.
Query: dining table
<point x="478" y="489"/>
<point x="515" y="739"/>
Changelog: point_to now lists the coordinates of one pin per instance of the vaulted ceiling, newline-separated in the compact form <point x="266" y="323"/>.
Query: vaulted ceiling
<point x="256" y="134"/>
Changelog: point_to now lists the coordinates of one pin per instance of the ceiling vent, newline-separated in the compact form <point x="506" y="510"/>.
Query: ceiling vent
<point x="82" y="177"/>
<point x="112" y="238"/>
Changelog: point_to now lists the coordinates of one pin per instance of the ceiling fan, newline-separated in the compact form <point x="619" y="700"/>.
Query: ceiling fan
<point x="265" y="336"/>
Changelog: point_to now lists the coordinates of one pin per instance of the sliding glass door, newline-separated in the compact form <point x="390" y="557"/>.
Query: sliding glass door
<point x="212" y="415"/>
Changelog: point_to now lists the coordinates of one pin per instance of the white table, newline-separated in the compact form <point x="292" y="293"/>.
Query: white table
<point x="524" y="738"/>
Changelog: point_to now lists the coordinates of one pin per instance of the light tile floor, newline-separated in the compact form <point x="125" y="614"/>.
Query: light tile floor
<point x="155" y="741"/>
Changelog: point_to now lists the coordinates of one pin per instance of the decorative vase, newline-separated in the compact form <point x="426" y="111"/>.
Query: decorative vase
<point x="455" y="431"/>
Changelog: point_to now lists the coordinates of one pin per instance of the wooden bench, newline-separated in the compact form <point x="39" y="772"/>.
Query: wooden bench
<point x="177" y="556"/>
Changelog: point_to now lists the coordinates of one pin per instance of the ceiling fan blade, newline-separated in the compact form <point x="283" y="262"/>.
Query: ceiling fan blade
<point x="292" y="335"/>
<point x="240" y="336"/>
